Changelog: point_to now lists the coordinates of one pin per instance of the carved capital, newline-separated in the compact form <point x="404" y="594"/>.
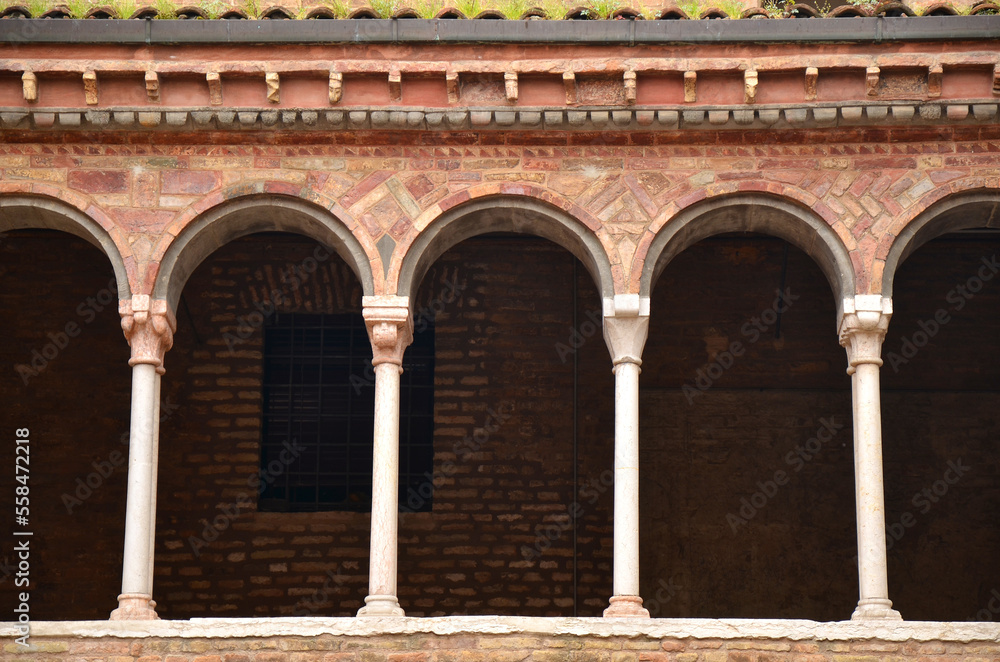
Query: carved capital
<point x="149" y="326"/>
<point x="626" y="326"/>
<point x="390" y="327"/>
<point x="863" y="328"/>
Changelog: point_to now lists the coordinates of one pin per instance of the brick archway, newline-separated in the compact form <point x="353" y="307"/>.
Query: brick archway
<point x="244" y="216"/>
<point x="517" y="214"/>
<point x="752" y="213"/>
<point x="19" y="212"/>
<point x="961" y="211"/>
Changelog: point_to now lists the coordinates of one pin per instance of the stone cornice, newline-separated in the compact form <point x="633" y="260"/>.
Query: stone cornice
<point x="969" y="112"/>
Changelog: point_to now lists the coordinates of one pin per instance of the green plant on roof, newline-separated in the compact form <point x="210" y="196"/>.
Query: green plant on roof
<point x="35" y="7"/>
<point x="513" y="9"/>
<point x="690" y="7"/>
<point x="123" y="8"/>
<point x="732" y="8"/>
<point x="384" y="8"/>
<point x="604" y="8"/>
<point x="468" y="7"/>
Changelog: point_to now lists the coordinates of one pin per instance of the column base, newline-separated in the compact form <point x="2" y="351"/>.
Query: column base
<point x="875" y="609"/>
<point x="381" y="605"/>
<point x="134" y="607"/>
<point x="626" y="606"/>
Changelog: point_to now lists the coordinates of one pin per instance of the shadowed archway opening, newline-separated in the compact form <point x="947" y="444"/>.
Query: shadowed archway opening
<point x="66" y="379"/>
<point x="746" y="462"/>
<point x="940" y="425"/>
<point x="266" y="410"/>
<point x="524" y="436"/>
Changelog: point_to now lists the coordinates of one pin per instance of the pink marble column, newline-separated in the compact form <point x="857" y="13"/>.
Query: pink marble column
<point x="390" y="328"/>
<point x="625" y="331"/>
<point x="862" y="330"/>
<point x="149" y="326"/>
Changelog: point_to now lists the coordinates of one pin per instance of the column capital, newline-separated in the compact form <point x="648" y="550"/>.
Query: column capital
<point x="626" y="327"/>
<point x="149" y="327"/>
<point x="390" y="327"/>
<point x="863" y="327"/>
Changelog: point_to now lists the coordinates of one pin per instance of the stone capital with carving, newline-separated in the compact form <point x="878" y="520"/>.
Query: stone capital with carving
<point x="390" y="327"/>
<point x="149" y="326"/>
<point x="626" y="327"/>
<point x="863" y="327"/>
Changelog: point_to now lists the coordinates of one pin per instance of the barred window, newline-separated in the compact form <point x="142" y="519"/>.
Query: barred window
<point x="318" y="414"/>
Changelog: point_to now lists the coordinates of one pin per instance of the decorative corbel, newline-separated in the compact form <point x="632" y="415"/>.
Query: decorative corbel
<point x="871" y="80"/>
<point x="273" y="81"/>
<point x="395" y="86"/>
<point x="750" y="86"/>
<point x="90" y="87"/>
<point x="29" y="86"/>
<point x="569" y="83"/>
<point x="510" y="86"/>
<point x="630" y="87"/>
<point x="153" y="86"/>
<point x="812" y="78"/>
<point x="214" y="88"/>
<point x="935" y="74"/>
<point x="336" y="87"/>
<point x="690" y="86"/>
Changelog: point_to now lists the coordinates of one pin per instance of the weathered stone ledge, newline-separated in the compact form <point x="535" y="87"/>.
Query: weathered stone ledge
<point x="725" y="629"/>
<point x="672" y="118"/>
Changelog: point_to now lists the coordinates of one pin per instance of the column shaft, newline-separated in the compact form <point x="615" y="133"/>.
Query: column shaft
<point x="626" y="325"/>
<point x="626" y="525"/>
<point x="149" y="326"/>
<point x="866" y="318"/>
<point x="390" y="328"/>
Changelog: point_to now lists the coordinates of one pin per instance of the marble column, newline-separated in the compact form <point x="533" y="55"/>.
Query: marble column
<point x="862" y="330"/>
<point x="390" y="329"/>
<point x="626" y="325"/>
<point x="149" y="326"/>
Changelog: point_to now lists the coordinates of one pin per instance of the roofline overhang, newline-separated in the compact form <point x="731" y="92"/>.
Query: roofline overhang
<point x="437" y="31"/>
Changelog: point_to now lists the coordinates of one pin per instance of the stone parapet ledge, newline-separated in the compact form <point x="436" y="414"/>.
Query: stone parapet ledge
<point x="715" y="629"/>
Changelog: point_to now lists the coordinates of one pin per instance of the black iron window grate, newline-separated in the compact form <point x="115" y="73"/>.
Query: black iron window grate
<point x="319" y="400"/>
